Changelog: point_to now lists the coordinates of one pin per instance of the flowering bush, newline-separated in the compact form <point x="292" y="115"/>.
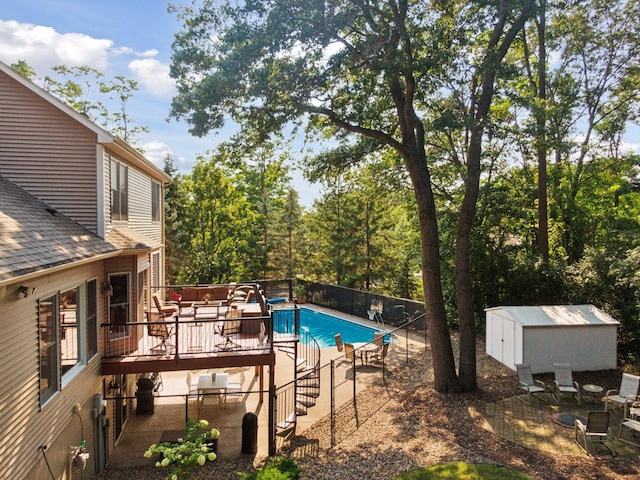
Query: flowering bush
<point x="188" y="452"/>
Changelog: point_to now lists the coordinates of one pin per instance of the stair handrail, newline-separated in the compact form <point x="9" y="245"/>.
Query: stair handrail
<point x="310" y="350"/>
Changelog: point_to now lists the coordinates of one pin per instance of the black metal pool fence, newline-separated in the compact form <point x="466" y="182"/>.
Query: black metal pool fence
<point x="393" y="310"/>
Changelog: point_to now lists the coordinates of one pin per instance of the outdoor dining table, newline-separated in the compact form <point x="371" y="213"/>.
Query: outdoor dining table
<point x="207" y="384"/>
<point x="366" y="348"/>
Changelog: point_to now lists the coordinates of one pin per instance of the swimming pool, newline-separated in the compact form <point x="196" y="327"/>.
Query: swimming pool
<point x="323" y="327"/>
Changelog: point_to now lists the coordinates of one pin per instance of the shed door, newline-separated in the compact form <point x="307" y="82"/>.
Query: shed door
<point x="503" y="341"/>
<point x="509" y="343"/>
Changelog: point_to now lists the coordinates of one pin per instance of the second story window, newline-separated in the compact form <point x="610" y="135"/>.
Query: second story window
<point x="119" y="191"/>
<point x="155" y="201"/>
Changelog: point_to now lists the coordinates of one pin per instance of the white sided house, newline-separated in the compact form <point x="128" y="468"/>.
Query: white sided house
<point x="81" y="239"/>
<point x="581" y="335"/>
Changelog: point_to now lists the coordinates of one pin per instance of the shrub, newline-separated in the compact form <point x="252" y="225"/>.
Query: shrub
<point x="187" y="452"/>
<point x="277" y="468"/>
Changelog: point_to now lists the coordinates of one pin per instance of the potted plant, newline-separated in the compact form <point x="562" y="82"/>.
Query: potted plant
<point x="300" y="293"/>
<point x="211" y="439"/>
<point x="206" y="297"/>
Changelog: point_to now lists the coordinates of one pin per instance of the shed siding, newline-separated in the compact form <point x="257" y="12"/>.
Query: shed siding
<point x="23" y="426"/>
<point x="42" y="149"/>
<point x="585" y="348"/>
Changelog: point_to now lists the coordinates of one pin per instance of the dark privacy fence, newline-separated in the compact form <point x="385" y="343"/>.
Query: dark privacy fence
<point x="395" y="311"/>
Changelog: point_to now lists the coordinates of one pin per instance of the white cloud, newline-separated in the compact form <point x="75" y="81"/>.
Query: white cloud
<point x="153" y="75"/>
<point x="156" y="151"/>
<point x="122" y="51"/>
<point x="627" y="147"/>
<point x="42" y="47"/>
<point x="149" y="53"/>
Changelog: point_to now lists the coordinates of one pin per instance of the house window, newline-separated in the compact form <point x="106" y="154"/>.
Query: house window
<point x="92" y="319"/>
<point x="68" y="335"/>
<point x="155" y="201"/>
<point x="69" y="326"/>
<point x="48" y="332"/>
<point x="119" y="304"/>
<point x="119" y="191"/>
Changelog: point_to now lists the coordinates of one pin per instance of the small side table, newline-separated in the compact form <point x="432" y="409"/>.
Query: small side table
<point x="593" y="390"/>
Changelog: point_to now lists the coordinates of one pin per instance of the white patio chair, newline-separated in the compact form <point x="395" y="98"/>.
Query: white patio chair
<point x="564" y="382"/>
<point x="192" y="387"/>
<point x="526" y="382"/>
<point x="234" y="387"/>
<point x="627" y="393"/>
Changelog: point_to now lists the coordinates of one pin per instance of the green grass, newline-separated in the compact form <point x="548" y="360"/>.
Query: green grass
<point x="463" y="471"/>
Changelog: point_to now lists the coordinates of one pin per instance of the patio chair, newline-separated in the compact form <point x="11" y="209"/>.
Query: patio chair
<point x="263" y="337"/>
<point x="164" y="309"/>
<point x="191" y="385"/>
<point x="158" y="327"/>
<point x="381" y="354"/>
<point x="564" y="382"/>
<point x="229" y="328"/>
<point x="350" y="354"/>
<point x="339" y="343"/>
<point x="627" y="393"/>
<point x="595" y="431"/>
<point x="526" y="382"/>
<point x="378" y="340"/>
<point x="234" y="387"/>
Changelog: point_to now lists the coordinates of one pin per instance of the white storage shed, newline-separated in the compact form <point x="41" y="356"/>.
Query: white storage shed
<point x="582" y="335"/>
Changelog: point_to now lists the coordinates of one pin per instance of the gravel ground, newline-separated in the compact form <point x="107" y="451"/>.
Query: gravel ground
<point x="406" y="425"/>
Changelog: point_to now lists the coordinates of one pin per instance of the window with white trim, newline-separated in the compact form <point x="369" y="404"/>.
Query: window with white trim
<point x="119" y="191"/>
<point x="68" y="335"/>
<point x="49" y="347"/>
<point x="155" y="201"/>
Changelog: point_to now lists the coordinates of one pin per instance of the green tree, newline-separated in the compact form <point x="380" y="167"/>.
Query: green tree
<point x="24" y="69"/>
<point x="82" y="88"/>
<point x="120" y="123"/>
<point x="217" y="218"/>
<point x="287" y="251"/>
<point x="601" y="52"/>
<point x="361" y="70"/>
<point x="258" y="169"/>
<point x="174" y="199"/>
<point x="76" y="89"/>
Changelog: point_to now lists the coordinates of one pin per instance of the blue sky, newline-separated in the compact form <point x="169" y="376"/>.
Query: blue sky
<point x="129" y="38"/>
<point x="133" y="39"/>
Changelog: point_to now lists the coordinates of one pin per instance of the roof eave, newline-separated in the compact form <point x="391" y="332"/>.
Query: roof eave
<point x="58" y="268"/>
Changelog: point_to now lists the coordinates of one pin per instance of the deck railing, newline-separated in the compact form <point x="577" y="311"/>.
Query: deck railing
<point x="181" y="337"/>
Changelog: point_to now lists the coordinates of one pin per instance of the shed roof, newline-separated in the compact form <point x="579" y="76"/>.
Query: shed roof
<point x="557" y="315"/>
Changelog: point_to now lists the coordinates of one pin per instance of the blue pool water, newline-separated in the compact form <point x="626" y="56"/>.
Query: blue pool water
<point x="323" y="327"/>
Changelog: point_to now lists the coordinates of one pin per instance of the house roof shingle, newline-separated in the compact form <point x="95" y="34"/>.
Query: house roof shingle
<point x="125" y="238"/>
<point x="36" y="237"/>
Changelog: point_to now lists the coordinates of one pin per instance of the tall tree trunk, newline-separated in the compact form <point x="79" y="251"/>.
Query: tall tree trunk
<point x="497" y="49"/>
<point x="464" y="293"/>
<point x="541" y="143"/>
<point x="444" y="371"/>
